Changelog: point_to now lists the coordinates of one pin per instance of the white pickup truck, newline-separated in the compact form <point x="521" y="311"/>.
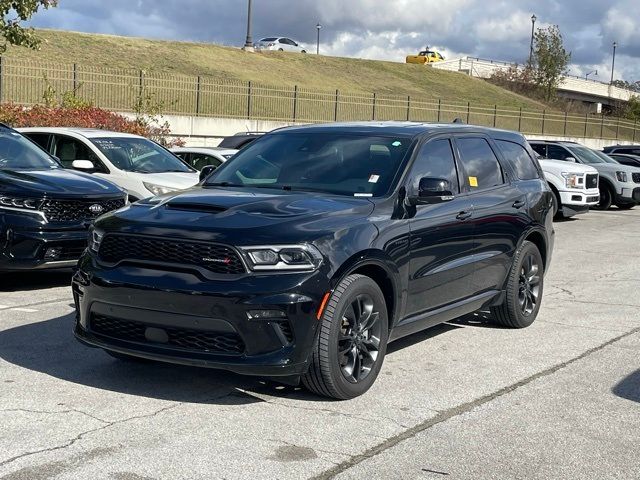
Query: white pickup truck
<point x="575" y="186"/>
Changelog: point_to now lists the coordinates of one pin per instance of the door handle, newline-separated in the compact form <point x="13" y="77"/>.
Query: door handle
<point x="519" y="204"/>
<point x="464" y="215"/>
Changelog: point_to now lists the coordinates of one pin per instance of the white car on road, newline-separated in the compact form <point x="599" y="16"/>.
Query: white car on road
<point x="575" y="186"/>
<point x="141" y="167"/>
<point x="282" y="44"/>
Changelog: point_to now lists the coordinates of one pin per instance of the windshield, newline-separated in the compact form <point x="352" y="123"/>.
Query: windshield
<point x="586" y="155"/>
<point x="605" y="157"/>
<point x="19" y="153"/>
<point x="339" y="163"/>
<point x="139" y="155"/>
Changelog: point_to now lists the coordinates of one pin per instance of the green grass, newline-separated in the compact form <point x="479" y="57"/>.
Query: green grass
<point x="272" y="68"/>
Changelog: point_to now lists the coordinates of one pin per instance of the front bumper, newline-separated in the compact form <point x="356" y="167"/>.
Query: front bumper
<point x="182" y="317"/>
<point x="579" y="198"/>
<point x="25" y="249"/>
<point x="628" y="194"/>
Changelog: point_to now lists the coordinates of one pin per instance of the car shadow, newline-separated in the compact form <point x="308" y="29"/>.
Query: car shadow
<point x="629" y="387"/>
<point x="481" y="319"/>
<point x="49" y="347"/>
<point x="34" y="280"/>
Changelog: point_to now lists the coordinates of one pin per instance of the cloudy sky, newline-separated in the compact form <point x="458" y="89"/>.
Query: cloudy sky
<point x="379" y="29"/>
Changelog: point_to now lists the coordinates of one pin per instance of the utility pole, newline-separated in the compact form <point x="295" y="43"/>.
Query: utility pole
<point x="318" y="27"/>
<point x="248" y="44"/>
<point x="613" y="63"/>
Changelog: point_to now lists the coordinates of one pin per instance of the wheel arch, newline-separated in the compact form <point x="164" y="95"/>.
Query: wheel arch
<point x="376" y="265"/>
<point x="539" y="239"/>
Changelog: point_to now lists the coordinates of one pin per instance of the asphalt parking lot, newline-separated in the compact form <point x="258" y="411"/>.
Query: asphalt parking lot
<point x="463" y="400"/>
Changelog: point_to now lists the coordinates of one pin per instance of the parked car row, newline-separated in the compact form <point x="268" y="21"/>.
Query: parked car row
<point x="301" y="255"/>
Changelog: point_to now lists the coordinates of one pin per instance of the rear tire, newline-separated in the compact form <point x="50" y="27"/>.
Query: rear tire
<point x="625" y="206"/>
<point x="606" y="198"/>
<point x="524" y="289"/>
<point x="352" y="341"/>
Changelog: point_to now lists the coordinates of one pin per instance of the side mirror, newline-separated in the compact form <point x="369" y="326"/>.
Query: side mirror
<point x="570" y="159"/>
<point x="206" y="171"/>
<point x="83" y="165"/>
<point x="432" y="190"/>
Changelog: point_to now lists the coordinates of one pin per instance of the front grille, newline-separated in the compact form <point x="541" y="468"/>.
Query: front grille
<point x="72" y="251"/>
<point x="215" y="258"/>
<point x="184" y="339"/>
<point x="78" y="210"/>
<point x="636" y="177"/>
<point x="592" y="180"/>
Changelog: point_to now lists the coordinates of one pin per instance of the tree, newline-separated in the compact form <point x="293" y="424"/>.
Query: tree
<point x="13" y="13"/>
<point x="550" y="60"/>
<point x="633" y="86"/>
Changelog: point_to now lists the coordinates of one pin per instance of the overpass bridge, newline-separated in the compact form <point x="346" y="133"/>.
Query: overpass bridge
<point x="573" y="88"/>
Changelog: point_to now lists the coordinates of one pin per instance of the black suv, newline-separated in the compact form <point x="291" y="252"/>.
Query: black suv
<point x="315" y="246"/>
<point x="45" y="210"/>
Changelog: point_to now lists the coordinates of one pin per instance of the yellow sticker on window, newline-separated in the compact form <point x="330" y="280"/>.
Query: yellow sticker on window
<point x="473" y="181"/>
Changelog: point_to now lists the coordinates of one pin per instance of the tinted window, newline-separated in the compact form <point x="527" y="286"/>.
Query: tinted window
<point x="68" y="149"/>
<point x="42" y="139"/>
<point x="340" y="163"/>
<point x="435" y="160"/>
<point x="554" y="152"/>
<point x="540" y="149"/>
<point x="480" y="163"/>
<point x="18" y="153"/>
<point x="201" y="160"/>
<point x="520" y="159"/>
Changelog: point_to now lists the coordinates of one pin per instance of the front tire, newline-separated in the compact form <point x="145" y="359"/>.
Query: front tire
<point x="606" y="198"/>
<point x="524" y="289"/>
<point x="352" y="341"/>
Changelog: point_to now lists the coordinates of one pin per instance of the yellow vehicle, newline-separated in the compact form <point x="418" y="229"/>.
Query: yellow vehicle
<point x="425" y="56"/>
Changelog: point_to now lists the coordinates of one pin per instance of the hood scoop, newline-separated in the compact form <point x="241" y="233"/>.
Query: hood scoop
<point x="196" y="207"/>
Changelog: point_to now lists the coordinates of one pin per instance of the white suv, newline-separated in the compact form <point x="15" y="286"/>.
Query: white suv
<point x="141" y="167"/>
<point x="575" y="186"/>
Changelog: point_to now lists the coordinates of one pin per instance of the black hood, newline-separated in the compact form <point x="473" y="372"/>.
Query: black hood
<point x="57" y="182"/>
<point x="240" y="213"/>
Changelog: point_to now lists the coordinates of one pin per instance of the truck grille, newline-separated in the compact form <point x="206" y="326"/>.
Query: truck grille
<point x="636" y="177"/>
<point x="215" y="258"/>
<point x="592" y="180"/>
<point x="78" y="210"/>
<point x="184" y="339"/>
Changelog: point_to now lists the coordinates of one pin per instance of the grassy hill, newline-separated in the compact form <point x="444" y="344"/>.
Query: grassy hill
<point x="274" y="68"/>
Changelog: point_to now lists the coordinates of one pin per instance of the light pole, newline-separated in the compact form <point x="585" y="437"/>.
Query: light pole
<point x="248" y="43"/>
<point x="533" y="31"/>
<point x="318" y="27"/>
<point x="594" y="72"/>
<point x="613" y="63"/>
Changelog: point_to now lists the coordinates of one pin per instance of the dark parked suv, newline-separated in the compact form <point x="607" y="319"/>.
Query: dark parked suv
<point x="45" y="210"/>
<point x="315" y="246"/>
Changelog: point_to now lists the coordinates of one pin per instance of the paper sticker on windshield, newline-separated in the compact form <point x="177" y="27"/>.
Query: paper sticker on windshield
<point x="397" y="143"/>
<point x="363" y="194"/>
<point x="473" y="181"/>
<point x="374" y="178"/>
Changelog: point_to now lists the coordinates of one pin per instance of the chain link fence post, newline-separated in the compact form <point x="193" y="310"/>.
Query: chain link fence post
<point x="295" y="102"/>
<point x="249" y="95"/>
<point x="198" y="109"/>
<point x="520" y="120"/>
<point x="544" y="114"/>
<point x="408" y="107"/>
<point x="439" y="108"/>
<point x="335" y="112"/>
<point x="373" y="113"/>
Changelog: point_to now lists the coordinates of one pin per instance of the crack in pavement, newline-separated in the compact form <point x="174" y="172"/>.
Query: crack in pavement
<point x="81" y="435"/>
<point x="53" y="412"/>
<point x="460" y="410"/>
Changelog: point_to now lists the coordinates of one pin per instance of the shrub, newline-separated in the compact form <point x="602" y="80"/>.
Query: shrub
<point x="84" y="116"/>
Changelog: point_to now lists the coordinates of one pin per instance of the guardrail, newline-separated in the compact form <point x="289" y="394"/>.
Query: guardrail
<point x="24" y="82"/>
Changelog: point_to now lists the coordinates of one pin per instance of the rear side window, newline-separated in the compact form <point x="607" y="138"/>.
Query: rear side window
<point x="520" y="159"/>
<point x="539" y="149"/>
<point x="480" y="163"/>
<point x="435" y="160"/>
<point x="555" y="152"/>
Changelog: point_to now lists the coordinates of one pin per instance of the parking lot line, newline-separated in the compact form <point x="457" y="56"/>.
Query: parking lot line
<point x="26" y="310"/>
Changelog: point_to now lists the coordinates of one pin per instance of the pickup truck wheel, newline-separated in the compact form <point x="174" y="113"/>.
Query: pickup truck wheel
<point x="524" y="289"/>
<point x="352" y="341"/>
<point x="625" y="206"/>
<point x="606" y="198"/>
<point x="555" y="205"/>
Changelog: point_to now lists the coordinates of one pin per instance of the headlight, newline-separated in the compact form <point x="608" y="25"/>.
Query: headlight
<point x="622" y="177"/>
<point x="95" y="239"/>
<point x="283" y="257"/>
<point x="572" y="180"/>
<point x="20" y="203"/>
<point x="158" y="189"/>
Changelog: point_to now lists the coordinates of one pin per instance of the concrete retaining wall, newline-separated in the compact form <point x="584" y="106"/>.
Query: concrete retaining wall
<point x="205" y="131"/>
